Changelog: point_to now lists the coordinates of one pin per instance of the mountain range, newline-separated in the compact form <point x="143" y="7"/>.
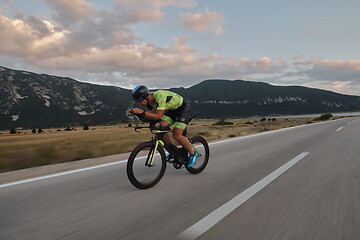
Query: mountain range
<point x="39" y="100"/>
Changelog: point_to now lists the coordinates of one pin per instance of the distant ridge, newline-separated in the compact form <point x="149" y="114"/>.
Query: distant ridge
<point x="39" y="100"/>
<point x="231" y="99"/>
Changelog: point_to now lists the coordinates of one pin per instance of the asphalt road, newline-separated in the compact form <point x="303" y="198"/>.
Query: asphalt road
<point x="299" y="183"/>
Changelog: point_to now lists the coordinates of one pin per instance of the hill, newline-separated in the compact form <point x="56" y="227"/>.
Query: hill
<point x="39" y="100"/>
<point x="231" y="99"/>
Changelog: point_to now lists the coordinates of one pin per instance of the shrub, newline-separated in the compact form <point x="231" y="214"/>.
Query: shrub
<point x="34" y="130"/>
<point x="86" y="127"/>
<point x="68" y="129"/>
<point x="263" y="120"/>
<point x="13" y="131"/>
<point x="324" y="117"/>
<point x="40" y="130"/>
<point x="223" y="122"/>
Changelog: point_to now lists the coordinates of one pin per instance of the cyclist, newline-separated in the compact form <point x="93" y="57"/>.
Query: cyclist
<point x="172" y="109"/>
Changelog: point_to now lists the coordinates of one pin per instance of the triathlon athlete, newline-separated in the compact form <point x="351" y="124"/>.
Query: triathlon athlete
<point x="172" y="109"/>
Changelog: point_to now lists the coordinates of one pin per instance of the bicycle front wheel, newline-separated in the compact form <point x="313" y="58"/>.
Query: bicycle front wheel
<point x="146" y="167"/>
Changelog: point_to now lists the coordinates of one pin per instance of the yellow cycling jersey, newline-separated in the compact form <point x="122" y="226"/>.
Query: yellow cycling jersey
<point x="166" y="100"/>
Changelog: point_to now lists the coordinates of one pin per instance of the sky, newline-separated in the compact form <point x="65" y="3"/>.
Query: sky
<point x="180" y="43"/>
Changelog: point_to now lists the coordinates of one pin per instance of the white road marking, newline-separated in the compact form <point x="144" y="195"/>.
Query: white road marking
<point x="216" y="216"/>
<point x="339" y="129"/>
<point x="59" y="174"/>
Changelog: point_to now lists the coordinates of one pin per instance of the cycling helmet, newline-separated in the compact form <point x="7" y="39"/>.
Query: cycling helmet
<point x="140" y="93"/>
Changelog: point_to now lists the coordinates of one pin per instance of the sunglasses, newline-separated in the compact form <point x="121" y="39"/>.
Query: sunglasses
<point x="140" y="99"/>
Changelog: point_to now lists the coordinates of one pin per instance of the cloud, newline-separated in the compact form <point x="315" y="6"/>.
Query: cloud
<point x="71" y="11"/>
<point x="133" y="11"/>
<point x="47" y="46"/>
<point x="334" y="70"/>
<point x="204" y="20"/>
<point x="334" y="75"/>
<point x="33" y="39"/>
<point x="80" y="37"/>
<point x="174" y="3"/>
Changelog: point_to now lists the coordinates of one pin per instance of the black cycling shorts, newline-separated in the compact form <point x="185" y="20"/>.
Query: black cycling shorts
<point x="179" y="117"/>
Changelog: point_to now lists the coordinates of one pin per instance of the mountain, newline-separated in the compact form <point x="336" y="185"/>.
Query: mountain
<point x="231" y="99"/>
<point x="40" y="100"/>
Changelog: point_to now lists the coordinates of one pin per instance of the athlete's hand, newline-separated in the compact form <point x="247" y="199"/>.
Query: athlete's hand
<point x="136" y="111"/>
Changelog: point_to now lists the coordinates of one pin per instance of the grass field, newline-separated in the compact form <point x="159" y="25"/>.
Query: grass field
<point x="26" y="149"/>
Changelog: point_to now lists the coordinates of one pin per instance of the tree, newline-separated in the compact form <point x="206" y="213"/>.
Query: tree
<point x="13" y="131"/>
<point x="34" y="130"/>
<point x="40" y="130"/>
<point x="86" y="127"/>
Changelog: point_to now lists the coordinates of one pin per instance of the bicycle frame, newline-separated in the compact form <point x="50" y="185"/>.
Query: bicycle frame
<point x="152" y="153"/>
<point x="158" y="139"/>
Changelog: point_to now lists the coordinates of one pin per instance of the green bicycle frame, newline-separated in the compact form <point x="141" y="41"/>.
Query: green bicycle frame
<point x="158" y="134"/>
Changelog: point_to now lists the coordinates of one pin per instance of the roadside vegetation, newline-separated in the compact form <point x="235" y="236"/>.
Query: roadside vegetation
<point x="324" y="117"/>
<point x="21" y="149"/>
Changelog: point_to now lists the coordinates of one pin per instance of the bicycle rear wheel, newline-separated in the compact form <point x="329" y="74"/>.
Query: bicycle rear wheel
<point x="139" y="171"/>
<point x="202" y="147"/>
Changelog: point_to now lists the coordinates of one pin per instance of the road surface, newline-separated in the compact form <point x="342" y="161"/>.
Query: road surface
<point x="297" y="183"/>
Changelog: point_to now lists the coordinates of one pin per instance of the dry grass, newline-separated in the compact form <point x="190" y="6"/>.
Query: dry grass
<point x="26" y="149"/>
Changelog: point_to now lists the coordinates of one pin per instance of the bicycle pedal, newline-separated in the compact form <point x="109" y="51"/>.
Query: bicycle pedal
<point x="178" y="165"/>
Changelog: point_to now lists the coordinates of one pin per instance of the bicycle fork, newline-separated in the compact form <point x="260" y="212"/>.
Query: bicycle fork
<point x="151" y="156"/>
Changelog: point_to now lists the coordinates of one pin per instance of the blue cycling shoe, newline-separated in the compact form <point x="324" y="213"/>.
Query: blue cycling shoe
<point x="192" y="160"/>
<point x="169" y="157"/>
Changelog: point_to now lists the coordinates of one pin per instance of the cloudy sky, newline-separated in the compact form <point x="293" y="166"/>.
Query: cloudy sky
<point x="172" y="43"/>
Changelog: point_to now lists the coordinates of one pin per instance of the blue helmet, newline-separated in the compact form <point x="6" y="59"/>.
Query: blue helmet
<point x="140" y="93"/>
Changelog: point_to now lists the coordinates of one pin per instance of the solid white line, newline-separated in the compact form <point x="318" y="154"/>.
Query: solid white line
<point x="59" y="174"/>
<point x="216" y="216"/>
<point x="339" y="129"/>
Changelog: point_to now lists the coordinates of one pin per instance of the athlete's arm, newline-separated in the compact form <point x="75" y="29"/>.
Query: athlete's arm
<point x="149" y="114"/>
<point x="154" y="115"/>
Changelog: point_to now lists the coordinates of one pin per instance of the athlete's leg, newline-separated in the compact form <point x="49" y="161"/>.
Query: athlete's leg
<point x="178" y="136"/>
<point x="166" y="136"/>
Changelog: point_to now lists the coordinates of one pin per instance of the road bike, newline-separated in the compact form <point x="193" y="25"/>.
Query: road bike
<point x="147" y="162"/>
